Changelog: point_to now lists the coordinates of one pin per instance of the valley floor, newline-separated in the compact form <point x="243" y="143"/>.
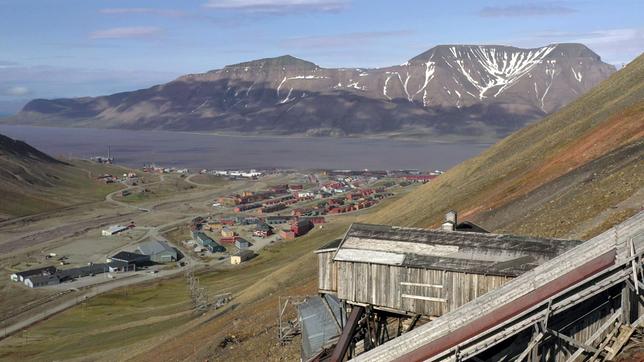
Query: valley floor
<point x="149" y="313"/>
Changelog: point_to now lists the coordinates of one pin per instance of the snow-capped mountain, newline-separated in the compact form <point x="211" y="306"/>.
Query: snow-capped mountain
<point x="449" y="89"/>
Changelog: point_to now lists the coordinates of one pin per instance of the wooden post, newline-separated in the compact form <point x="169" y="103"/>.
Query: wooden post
<point x="626" y="304"/>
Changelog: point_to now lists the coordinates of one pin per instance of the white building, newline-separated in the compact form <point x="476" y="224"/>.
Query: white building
<point x="114" y="229"/>
<point x="241" y="256"/>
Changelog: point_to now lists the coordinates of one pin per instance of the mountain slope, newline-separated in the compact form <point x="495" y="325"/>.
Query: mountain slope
<point x="32" y="181"/>
<point x="562" y="176"/>
<point x="464" y="90"/>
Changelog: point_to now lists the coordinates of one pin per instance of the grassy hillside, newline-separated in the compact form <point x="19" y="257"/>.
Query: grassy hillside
<point x="576" y="169"/>
<point x="33" y="182"/>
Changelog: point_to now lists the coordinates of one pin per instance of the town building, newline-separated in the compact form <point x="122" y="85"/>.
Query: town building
<point x="207" y="242"/>
<point x="228" y="240"/>
<point x="241" y="256"/>
<point x="158" y="251"/>
<point x="130" y="258"/>
<point x="227" y="232"/>
<point x="242" y="244"/>
<point x="419" y="178"/>
<point x="276" y="220"/>
<point x="21" y="276"/>
<point x="297" y="228"/>
<point x="113" y="230"/>
<point x="36" y="281"/>
<point x="263" y="230"/>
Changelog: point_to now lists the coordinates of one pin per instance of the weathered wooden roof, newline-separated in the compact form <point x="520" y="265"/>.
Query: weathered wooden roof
<point x="472" y="252"/>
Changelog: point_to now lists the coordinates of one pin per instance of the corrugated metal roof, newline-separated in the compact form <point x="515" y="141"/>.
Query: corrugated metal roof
<point x="319" y="325"/>
<point x="153" y="247"/>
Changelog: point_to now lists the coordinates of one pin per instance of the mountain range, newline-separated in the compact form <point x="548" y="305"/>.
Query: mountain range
<point x="572" y="174"/>
<point x="449" y="90"/>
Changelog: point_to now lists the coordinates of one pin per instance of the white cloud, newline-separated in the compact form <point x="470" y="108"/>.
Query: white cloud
<point x="343" y="40"/>
<point x="17" y="91"/>
<point x="126" y="32"/>
<point x="45" y="81"/>
<point x="616" y="46"/>
<point x="150" y="11"/>
<point x="527" y="9"/>
<point x="279" y="6"/>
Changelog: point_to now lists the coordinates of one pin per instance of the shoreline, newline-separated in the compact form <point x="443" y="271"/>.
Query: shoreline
<point x="484" y="141"/>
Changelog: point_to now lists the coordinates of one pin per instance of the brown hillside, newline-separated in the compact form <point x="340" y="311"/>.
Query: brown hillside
<point x="32" y="181"/>
<point x="591" y="150"/>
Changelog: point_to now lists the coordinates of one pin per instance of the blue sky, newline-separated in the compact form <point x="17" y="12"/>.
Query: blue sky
<point x="62" y="48"/>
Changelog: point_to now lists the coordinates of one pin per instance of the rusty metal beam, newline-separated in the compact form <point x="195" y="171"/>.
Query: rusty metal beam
<point x="347" y="333"/>
<point x="509" y="310"/>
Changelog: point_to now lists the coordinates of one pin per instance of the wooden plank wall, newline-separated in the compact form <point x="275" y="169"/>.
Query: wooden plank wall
<point x="424" y="291"/>
<point x="326" y="272"/>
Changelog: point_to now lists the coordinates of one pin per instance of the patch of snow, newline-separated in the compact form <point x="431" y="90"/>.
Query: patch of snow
<point x="308" y="77"/>
<point x="355" y="85"/>
<point x="249" y="89"/>
<point x="429" y="75"/>
<point x="578" y="76"/>
<point x="288" y="97"/>
<point x="501" y="68"/>
<point x="280" y="86"/>
<point x="384" y="89"/>
<point x="551" y="72"/>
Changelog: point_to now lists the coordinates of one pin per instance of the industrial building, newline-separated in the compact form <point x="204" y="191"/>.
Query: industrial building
<point x="158" y="251"/>
<point x="47" y="276"/>
<point x="583" y="305"/>
<point x="36" y="281"/>
<point x="385" y="272"/>
<point x="20" y="276"/>
<point x="129" y="258"/>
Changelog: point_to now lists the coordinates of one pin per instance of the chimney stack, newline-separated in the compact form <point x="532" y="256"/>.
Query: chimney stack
<point x="450" y="221"/>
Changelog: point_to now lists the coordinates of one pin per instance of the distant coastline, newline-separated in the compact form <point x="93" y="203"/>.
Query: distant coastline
<point x="209" y="150"/>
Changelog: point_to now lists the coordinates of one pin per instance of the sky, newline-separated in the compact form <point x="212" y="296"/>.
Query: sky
<point x="71" y="48"/>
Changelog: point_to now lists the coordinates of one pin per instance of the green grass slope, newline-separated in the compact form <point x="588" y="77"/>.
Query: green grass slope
<point x="562" y="176"/>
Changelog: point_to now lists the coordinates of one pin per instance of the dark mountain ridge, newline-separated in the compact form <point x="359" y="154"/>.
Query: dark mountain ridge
<point x="450" y="90"/>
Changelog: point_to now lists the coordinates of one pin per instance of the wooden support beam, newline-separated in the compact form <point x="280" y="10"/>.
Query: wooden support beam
<point x="625" y="333"/>
<point x="605" y="343"/>
<point x="545" y="318"/>
<point x="438" y="286"/>
<point x="627" y="302"/>
<point x="347" y="334"/>
<point x="413" y="323"/>
<point x="611" y="320"/>
<point x="634" y="265"/>
<point x="572" y="341"/>
<point x="431" y="299"/>
<point x="534" y="341"/>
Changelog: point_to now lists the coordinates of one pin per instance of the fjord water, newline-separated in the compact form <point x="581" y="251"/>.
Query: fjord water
<point x="196" y="151"/>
